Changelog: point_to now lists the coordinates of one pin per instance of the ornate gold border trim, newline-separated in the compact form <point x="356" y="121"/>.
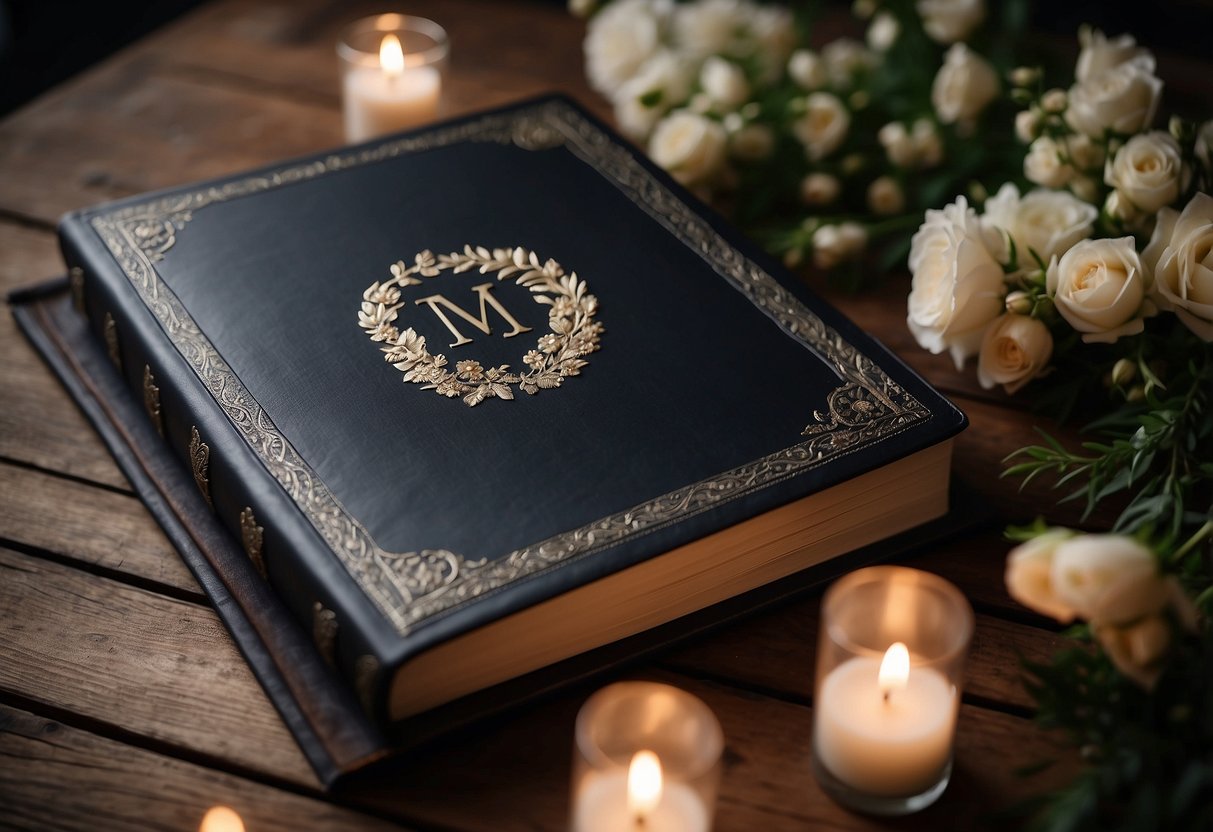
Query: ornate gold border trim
<point x="200" y="463"/>
<point x="413" y="587"/>
<point x="252" y="536"/>
<point x="151" y="400"/>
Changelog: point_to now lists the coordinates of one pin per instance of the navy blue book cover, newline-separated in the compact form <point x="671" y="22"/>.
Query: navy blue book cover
<point x="442" y="377"/>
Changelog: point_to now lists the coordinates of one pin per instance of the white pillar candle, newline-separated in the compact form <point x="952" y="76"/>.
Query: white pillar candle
<point x="890" y="746"/>
<point x="602" y="805"/>
<point x="389" y="97"/>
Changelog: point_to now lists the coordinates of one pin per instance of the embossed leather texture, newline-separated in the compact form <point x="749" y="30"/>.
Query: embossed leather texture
<point x="721" y="388"/>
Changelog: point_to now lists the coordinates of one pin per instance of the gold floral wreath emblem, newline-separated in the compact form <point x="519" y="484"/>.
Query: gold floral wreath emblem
<point x="557" y="356"/>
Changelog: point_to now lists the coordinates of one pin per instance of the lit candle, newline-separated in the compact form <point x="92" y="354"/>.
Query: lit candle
<point x="883" y="729"/>
<point x="395" y="90"/>
<point x="637" y="800"/>
<point x="221" y="819"/>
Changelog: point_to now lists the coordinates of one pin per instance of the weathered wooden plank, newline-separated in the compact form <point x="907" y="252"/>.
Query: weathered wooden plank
<point x="53" y="776"/>
<point x="91" y="525"/>
<point x="776" y="651"/>
<point x="142" y="662"/>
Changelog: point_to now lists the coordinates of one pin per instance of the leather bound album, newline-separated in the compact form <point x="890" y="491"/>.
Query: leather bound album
<point x="479" y="398"/>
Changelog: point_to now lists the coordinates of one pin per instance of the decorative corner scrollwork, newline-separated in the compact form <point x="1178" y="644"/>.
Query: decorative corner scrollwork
<point x="366" y="671"/>
<point x="200" y="462"/>
<point x="252" y="536"/>
<point x="324" y="632"/>
<point x="151" y="399"/>
<point x="109" y="330"/>
<point x="75" y="282"/>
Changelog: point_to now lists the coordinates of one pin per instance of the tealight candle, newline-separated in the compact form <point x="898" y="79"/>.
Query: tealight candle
<point x="647" y="759"/>
<point x="392" y="67"/>
<point x="890" y="659"/>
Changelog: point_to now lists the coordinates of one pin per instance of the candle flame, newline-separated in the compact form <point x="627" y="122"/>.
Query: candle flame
<point x="644" y="783"/>
<point x="391" y="55"/>
<point x="221" y="819"/>
<point x="894" y="669"/>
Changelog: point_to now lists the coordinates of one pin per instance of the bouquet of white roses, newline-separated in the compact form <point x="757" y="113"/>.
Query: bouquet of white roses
<point x="815" y="152"/>
<point x="1095" y="286"/>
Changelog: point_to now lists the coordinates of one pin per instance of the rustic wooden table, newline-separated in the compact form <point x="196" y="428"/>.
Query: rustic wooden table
<point x="123" y="703"/>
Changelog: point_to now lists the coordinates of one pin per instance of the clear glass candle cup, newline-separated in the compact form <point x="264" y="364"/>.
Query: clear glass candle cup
<point x="392" y="71"/>
<point x="890" y="662"/>
<point x="646" y="757"/>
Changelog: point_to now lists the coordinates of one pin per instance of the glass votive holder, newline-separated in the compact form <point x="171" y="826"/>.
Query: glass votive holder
<point x="890" y="662"/>
<point x="392" y="67"/>
<point x="646" y="758"/>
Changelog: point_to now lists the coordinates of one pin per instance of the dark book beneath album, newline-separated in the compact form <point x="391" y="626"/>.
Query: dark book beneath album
<point x="486" y="396"/>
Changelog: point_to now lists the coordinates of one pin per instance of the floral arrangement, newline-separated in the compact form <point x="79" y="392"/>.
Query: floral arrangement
<point x="816" y="153"/>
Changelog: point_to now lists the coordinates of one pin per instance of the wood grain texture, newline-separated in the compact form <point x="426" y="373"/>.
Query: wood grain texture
<point x="155" y="666"/>
<point x="114" y="786"/>
<point x="107" y="530"/>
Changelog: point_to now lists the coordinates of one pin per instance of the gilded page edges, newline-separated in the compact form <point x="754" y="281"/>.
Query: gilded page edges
<point x="411" y="588"/>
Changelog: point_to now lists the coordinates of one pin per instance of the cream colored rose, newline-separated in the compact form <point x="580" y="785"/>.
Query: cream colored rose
<point x="1083" y="153"/>
<point x="1044" y="164"/>
<point x="844" y="58"/>
<point x="1138" y="649"/>
<point x="834" y="244"/>
<point x="1044" y="221"/>
<point x="662" y="81"/>
<point x="883" y="32"/>
<point x="1099" y="287"/>
<point x="709" y="27"/>
<point x="1014" y="350"/>
<point x="1029" y="575"/>
<point x="957" y="287"/>
<point x="885" y="196"/>
<point x="1122" y="99"/>
<point x="819" y="189"/>
<point x="620" y="39"/>
<point x="724" y="82"/>
<point x="928" y="146"/>
<point x="773" y="33"/>
<point x="898" y="144"/>
<point x="824" y="125"/>
<point x="689" y="146"/>
<point x="1027" y="125"/>
<point x="1108" y="578"/>
<point x="1180" y="254"/>
<point x="964" y="85"/>
<point x="1099" y="53"/>
<point x="947" y="21"/>
<point x="1148" y="170"/>
<point x="808" y="69"/>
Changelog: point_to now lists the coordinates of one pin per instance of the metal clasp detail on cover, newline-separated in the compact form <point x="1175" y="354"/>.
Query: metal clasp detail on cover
<point x="151" y="399"/>
<point x="200" y="462"/>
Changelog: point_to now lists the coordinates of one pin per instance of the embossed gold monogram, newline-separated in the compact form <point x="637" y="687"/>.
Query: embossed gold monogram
<point x="557" y="356"/>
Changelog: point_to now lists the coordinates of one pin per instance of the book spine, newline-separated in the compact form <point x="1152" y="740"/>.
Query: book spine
<point x="282" y="548"/>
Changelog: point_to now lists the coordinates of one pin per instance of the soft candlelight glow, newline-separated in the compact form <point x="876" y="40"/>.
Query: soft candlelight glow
<point x="644" y="784"/>
<point x="391" y="55"/>
<point x="894" y="669"/>
<point x="221" y="819"/>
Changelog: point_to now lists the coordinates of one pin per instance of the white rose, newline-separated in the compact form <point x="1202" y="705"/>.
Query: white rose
<point x="844" y="58"/>
<point x="724" y="82"/>
<point x="752" y="142"/>
<point x="1027" y="125"/>
<point x="824" y="125"/>
<point x="1044" y="166"/>
<point x="1100" y="54"/>
<point x="619" y="39"/>
<point x="819" y="189"/>
<point x="1014" y="350"/>
<point x="928" y="146"/>
<point x="1099" y="287"/>
<point x="1029" y="575"/>
<point x="957" y="286"/>
<point x="885" y="196"/>
<point x="1148" y="170"/>
<point x="1083" y="153"/>
<point x="1180" y="254"/>
<point x="1108" y="578"/>
<point x="1122" y="99"/>
<point x="964" y="85"/>
<point x="833" y="244"/>
<point x="898" y="144"/>
<point x="883" y="32"/>
<point x="1085" y="188"/>
<point x="710" y="27"/>
<point x="1045" y="221"/>
<point x="774" y="33"/>
<point x="807" y="69"/>
<point x="660" y="83"/>
<point x="948" y="21"/>
<point x="689" y="146"/>
<point x="1137" y="650"/>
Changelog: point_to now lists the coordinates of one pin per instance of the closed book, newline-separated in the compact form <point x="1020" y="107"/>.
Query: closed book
<point x="485" y="396"/>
